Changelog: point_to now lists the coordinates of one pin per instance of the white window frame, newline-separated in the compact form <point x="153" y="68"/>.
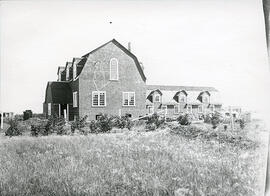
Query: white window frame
<point x="123" y="100"/>
<point x="157" y="95"/>
<point x="212" y="108"/>
<point x="200" y="109"/>
<point x="182" y="95"/>
<point x="74" y="71"/>
<point x="189" y="108"/>
<point x="151" y="109"/>
<point x="164" y="107"/>
<point x="99" y="92"/>
<point x="49" y="109"/>
<point x="206" y="97"/>
<point x="117" y="69"/>
<point x="75" y="99"/>
<point x="178" y="109"/>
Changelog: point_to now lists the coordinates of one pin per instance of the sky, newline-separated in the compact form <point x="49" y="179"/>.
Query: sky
<point x="187" y="42"/>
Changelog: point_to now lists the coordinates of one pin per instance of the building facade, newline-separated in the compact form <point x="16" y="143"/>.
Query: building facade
<point x="111" y="80"/>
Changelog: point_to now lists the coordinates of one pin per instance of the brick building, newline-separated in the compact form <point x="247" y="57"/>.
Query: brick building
<point x="111" y="80"/>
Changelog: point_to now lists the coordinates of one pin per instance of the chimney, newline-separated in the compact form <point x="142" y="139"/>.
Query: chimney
<point x="129" y="46"/>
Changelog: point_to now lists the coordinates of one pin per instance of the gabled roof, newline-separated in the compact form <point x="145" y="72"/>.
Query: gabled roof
<point x="58" y="92"/>
<point x="60" y="68"/>
<point x="193" y="92"/>
<point x="179" y="88"/>
<point x="84" y="57"/>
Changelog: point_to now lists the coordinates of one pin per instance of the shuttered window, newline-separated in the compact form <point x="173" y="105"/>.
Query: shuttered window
<point x="114" y="69"/>
<point x="49" y="109"/>
<point x="128" y="98"/>
<point x="176" y="109"/>
<point x="75" y="101"/>
<point x="98" y="98"/>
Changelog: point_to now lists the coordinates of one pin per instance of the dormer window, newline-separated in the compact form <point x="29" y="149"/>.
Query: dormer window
<point x="114" y="69"/>
<point x="182" y="97"/>
<point x="205" y="100"/>
<point x="157" y="98"/>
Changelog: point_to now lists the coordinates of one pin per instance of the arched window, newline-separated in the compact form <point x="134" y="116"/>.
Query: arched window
<point x="114" y="69"/>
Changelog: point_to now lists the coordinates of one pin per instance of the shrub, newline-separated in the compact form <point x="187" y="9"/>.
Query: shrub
<point x="207" y="118"/>
<point x="242" y="123"/>
<point x="13" y="129"/>
<point x="121" y="122"/>
<point x="41" y="127"/>
<point x="216" y="119"/>
<point x="102" y="125"/>
<point x="184" y="119"/>
<point x="35" y="130"/>
<point x="55" y="124"/>
<point x="154" y="121"/>
<point x="78" y="124"/>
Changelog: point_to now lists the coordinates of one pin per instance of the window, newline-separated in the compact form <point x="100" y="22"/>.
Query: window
<point x="200" y="108"/>
<point x="164" y="109"/>
<point x="67" y="73"/>
<point x="128" y="98"/>
<point x="49" y="109"/>
<point x="150" y="109"/>
<point x="157" y="98"/>
<point x="75" y="102"/>
<point x="98" y="98"/>
<point x="74" y="71"/>
<point x="113" y="69"/>
<point x="182" y="98"/>
<point x="176" y="109"/>
<point x="189" y="109"/>
<point x="205" y="100"/>
<point x="212" y="108"/>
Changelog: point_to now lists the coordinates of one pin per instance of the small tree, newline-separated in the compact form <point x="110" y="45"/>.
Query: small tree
<point x="102" y="125"/>
<point x="242" y="123"/>
<point x="78" y="124"/>
<point x="184" y="119"/>
<point x="13" y="129"/>
<point x="154" y="121"/>
<point x="216" y="118"/>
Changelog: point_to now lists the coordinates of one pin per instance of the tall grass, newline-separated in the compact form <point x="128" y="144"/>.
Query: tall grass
<point x="131" y="163"/>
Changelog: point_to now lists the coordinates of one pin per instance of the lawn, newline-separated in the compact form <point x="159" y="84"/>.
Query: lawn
<point x="131" y="163"/>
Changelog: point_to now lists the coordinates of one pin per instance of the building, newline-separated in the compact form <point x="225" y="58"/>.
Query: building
<point x="111" y="80"/>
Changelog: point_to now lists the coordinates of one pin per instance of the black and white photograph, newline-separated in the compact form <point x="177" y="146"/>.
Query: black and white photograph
<point x="143" y="98"/>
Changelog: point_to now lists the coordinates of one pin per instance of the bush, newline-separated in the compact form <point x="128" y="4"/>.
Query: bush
<point x="242" y="123"/>
<point x="78" y="124"/>
<point x="13" y="129"/>
<point x="154" y="121"/>
<point x="41" y="127"/>
<point x="35" y="130"/>
<point x="184" y="119"/>
<point x="102" y="125"/>
<point x="216" y="119"/>
<point x="54" y="124"/>
<point x="121" y="122"/>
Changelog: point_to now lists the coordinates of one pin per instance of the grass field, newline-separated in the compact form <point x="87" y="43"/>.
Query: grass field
<point x="130" y="163"/>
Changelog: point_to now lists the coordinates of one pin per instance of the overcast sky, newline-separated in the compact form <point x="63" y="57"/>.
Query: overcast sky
<point x="218" y="43"/>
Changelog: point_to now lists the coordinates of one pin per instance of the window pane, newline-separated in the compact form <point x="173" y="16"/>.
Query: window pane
<point x="157" y="98"/>
<point x="125" y="98"/>
<point x="102" y="99"/>
<point x="131" y="99"/>
<point x="114" y="69"/>
<point x="95" y="99"/>
<point x="176" y="109"/>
